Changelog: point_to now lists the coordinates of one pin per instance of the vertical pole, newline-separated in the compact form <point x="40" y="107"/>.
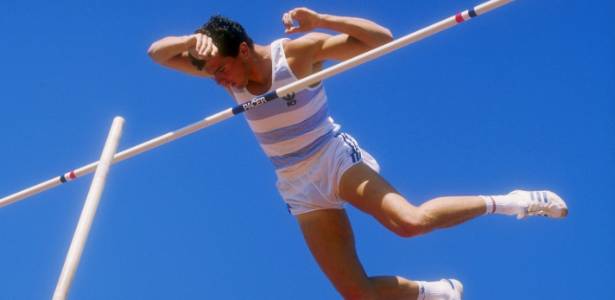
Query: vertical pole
<point x="89" y="211"/>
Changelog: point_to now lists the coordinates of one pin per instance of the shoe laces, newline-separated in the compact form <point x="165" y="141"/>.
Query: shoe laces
<point x="539" y="204"/>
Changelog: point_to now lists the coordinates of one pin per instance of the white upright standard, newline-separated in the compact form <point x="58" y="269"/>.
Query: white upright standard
<point x="89" y="211"/>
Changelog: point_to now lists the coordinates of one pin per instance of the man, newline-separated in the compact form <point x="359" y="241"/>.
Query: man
<point x="319" y="168"/>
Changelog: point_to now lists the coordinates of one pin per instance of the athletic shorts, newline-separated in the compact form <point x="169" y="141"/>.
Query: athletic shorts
<point x="313" y="184"/>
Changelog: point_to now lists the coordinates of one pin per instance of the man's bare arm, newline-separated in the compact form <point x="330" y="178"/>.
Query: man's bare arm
<point x="184" y="53"/>
<point x="357" y="35"/>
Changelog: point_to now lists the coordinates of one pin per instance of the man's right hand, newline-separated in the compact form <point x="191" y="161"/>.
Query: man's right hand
<point x="204" y="47"/>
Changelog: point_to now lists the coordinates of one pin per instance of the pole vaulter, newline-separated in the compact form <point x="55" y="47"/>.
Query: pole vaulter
<point x="260" y="100"/>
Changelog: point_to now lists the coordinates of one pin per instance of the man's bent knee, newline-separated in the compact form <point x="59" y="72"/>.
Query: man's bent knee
<point x="417" y="223"/>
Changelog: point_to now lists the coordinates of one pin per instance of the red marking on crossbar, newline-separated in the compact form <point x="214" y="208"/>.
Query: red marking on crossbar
<point x="459" y="18"/>
<point x="72" y="175"/>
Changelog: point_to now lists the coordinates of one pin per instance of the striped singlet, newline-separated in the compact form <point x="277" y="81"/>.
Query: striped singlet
<point x="290" y="129"/>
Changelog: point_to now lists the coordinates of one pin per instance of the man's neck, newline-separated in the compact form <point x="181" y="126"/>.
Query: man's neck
<point x="259" y="69"/>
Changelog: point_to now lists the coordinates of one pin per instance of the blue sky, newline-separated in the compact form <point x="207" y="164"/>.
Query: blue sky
<point x="523" y="97"/>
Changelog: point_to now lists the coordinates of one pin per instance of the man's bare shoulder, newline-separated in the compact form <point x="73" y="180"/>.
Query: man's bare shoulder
<point x="304" y="45"/>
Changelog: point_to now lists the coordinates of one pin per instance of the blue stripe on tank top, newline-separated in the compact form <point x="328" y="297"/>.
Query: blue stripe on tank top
<point x="293" y="131"/>
<point x="279" y="106"/>
<point x="304" y="153"/>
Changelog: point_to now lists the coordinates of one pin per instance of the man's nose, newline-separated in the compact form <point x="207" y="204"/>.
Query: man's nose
<point x="221" y="81"/>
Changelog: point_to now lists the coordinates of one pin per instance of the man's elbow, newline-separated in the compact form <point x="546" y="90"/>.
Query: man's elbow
<point x="152" y="53"/>
<point x="387" y="36"/>
<point x="157" y="53"/>
<point x="384" y="36"/>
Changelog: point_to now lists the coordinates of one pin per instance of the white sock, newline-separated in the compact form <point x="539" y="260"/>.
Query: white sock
<point x="434" y="290"/>
<point x="511" y="204"/>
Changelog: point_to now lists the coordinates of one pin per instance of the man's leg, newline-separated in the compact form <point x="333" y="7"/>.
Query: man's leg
<point x="329" y="236"/>
<point x="367" y="190"/>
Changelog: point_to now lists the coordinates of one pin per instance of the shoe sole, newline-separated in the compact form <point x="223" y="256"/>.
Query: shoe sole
<point x="560" y="212"/>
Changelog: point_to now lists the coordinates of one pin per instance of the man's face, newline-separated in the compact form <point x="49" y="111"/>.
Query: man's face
<point x="229" y="71"/>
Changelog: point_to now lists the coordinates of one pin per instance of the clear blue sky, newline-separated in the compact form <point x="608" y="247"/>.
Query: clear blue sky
<point x="523" y="97"/>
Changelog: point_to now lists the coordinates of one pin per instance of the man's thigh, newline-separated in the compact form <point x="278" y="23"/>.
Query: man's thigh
<point x="368" y="191"/>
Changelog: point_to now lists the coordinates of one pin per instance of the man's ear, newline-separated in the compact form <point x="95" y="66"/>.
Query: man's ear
<point x="244" y="50"/>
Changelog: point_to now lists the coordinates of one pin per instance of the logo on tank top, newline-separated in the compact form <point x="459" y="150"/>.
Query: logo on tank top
<point x="254" y="103"/>
<point x="290" y="99"/>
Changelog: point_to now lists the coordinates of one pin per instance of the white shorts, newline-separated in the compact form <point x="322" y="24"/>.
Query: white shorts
<point x="313" y="184"/>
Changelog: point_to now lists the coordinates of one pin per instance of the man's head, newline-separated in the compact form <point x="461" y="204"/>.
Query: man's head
<point x="229" y="66"/>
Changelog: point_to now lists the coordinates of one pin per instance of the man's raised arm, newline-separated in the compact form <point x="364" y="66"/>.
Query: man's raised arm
<point x="357" y="35"/>
<point x="184" y="53"/>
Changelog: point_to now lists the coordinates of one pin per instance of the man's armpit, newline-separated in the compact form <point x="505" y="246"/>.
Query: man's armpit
<point x="199" y="64"/>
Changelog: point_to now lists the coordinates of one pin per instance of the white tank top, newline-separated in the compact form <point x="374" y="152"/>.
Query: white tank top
<point x="292" y="129"/>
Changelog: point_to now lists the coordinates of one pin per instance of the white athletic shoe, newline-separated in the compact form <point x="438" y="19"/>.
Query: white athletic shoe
<point x="457" y="289"/>
<point x="542" y="203"/>
<point x="444" y="289"/>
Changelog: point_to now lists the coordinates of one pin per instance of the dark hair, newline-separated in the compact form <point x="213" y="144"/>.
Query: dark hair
<point x="226" y="34"/>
